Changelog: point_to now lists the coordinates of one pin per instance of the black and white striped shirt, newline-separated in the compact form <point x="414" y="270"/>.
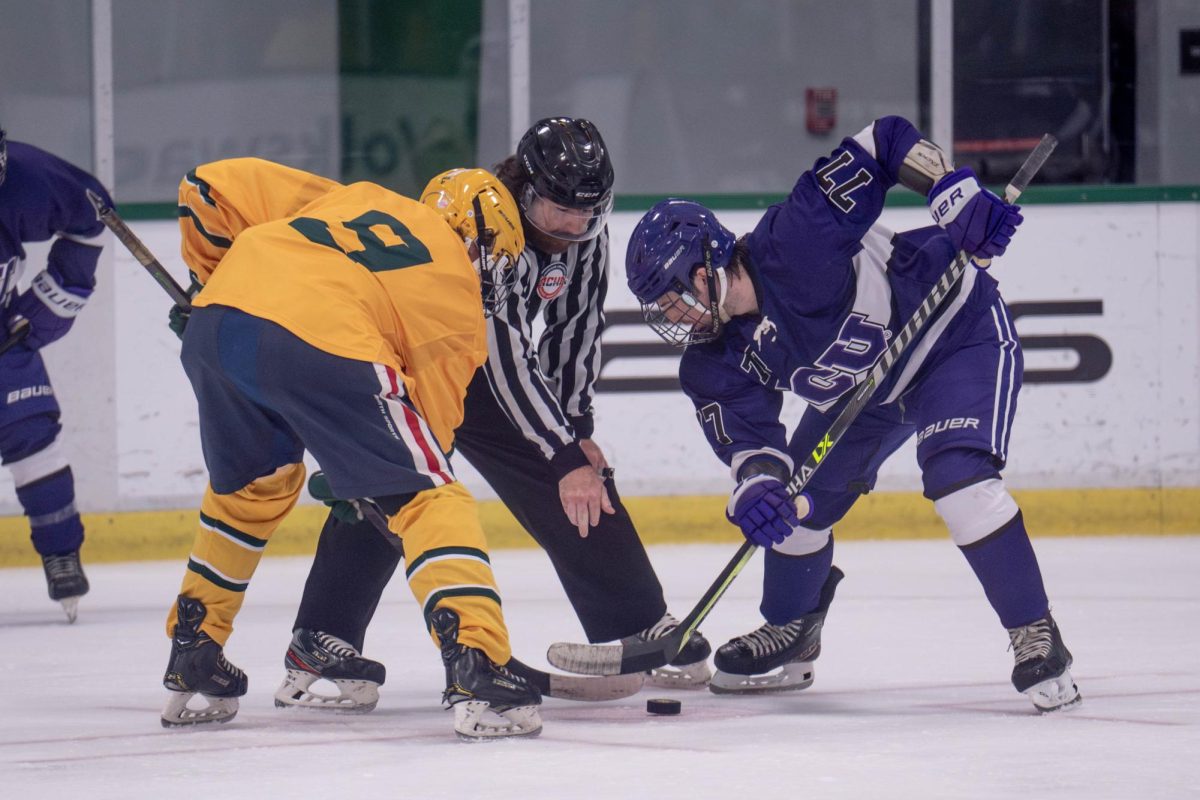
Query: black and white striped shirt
<point x="546" y="390"/>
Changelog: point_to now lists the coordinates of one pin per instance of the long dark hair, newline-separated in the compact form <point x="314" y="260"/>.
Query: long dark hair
<point x="512" y="175"/>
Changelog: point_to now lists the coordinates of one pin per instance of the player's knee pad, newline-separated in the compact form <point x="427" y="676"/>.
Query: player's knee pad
<point x="948" y="471"/>
<point x="31" y="449"/>
<point x="803" y="542"/>
<point x="974" y="512"/>
<point x="965" y="487"/>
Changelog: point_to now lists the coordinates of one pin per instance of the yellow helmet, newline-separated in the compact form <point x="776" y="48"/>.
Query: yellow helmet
<point x="482" y="211"/>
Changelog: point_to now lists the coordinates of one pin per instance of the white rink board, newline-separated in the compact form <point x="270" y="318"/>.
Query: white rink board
<point x="1138" y="426"/>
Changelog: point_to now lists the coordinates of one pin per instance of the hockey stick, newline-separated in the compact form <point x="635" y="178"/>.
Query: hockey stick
<point x="114" y="223"/>
<point x="17" y="336"/>
<point x="640" y="656"/>
<point x="565" y="687"/>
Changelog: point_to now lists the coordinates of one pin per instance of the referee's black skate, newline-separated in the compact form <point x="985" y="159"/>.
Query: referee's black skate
<point x="198" y="666"/>
<point x="316" y="655"/>
<point x="689" y="669"/>
<point x="489" y="701"/>
<point x="1042" y="669"/>
<point x="65" y="581"/>
<point x="775" y="658"/>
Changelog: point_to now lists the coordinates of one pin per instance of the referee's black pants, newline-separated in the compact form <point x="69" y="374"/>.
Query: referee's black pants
<point x="606" y="576"/>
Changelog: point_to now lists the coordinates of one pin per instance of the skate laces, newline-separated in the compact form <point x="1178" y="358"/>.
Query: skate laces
<point x="61" y="567"/>
<point x="658" y="630"/>
<point x="224" y="664"/>
<point x="770" y="639"/>
<point x="339" y="647"/>
<point x="1031" y="641"/>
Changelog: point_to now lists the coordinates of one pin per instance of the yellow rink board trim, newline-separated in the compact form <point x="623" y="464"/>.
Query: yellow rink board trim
<point x="155" y="535"/>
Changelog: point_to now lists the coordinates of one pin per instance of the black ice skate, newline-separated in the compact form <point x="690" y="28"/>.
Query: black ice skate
<point x="65" y="581"/>
<point x="689" y="669"/>
<point x="198" y="666"/>
<point x="488" y="700"/>
<point x="314" y="656"/>
<point x="1042" y="666"/>
<point x="775" y="658"/>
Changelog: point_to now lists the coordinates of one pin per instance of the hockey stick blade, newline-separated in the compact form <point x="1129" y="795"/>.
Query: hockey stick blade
<point x="576" y="687"/>
<point x="625" y="659"/>
<point x="618" y="659"/>
<point x="134" y="245"/>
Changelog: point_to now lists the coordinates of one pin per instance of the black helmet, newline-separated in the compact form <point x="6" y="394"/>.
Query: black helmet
<point x="568" y="167"/>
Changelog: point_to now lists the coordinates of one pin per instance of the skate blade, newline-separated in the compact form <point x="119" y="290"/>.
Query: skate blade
<point x="71" y="606"/>
<point x="353" y="697"/>
<point x="176" y="714"/>
<point x="687" y="676"/>
<point x="789" y="678"/>
<point x="475" y="721"/>
<point x="1055" y="695"/>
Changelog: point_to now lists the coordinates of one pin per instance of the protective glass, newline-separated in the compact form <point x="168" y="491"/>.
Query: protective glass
<point x="561" y="222"/>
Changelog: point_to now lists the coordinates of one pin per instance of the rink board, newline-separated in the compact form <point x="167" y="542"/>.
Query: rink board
<point x="1108" y="295"/>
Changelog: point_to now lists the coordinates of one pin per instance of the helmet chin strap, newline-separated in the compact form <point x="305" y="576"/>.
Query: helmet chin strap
<point x="717" y="284"/>
<point x="721" y="278"/>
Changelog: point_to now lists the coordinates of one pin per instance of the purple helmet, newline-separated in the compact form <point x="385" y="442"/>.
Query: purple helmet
<point x="666" y="246"/>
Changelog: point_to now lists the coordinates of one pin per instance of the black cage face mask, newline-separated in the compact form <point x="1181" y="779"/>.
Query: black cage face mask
<point x="678" y="316"/>
<point x="497" y="276"/>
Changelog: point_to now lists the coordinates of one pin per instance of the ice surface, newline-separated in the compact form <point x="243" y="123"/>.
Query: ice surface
<point x="911" y="699"/>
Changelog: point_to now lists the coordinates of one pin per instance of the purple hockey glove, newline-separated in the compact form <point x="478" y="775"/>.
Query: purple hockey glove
<point x="762" y="508"/>
<point x="57" y="293"/>
<point x="976" y="220"/>
<point x="50" y="309"/>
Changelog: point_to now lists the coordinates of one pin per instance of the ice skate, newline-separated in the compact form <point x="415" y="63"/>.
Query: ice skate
<point x="689" y="669"/>
<point x="65" y="581"/>
<point x="489" y="701"/>
<point x="197" y="666"/>
<point x="314" y="656"/>
<point x="774" y="658"/>
<point x="1042" y="669"/>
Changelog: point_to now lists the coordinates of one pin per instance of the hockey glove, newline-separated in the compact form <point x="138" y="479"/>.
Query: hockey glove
<point x="177" y="319"/>
<point x="57" y="293"/>
<point x="318" y="487"/>
<point x="178" y="316"/>
<point x="976" y="220"/>
<point x="763" y="509"/>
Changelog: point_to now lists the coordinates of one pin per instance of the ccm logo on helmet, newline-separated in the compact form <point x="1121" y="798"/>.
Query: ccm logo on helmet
<point x="552" y="281"/>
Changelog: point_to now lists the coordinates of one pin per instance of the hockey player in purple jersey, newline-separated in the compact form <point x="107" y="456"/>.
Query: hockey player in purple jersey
<point x="43" y="197"/>
<point x="806" y="303"/>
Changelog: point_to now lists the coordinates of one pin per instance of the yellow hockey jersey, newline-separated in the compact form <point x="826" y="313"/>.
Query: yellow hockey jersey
<point x="357" y="271"/>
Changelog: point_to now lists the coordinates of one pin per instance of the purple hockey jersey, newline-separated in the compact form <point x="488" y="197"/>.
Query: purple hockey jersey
<point x="833" y="288"/>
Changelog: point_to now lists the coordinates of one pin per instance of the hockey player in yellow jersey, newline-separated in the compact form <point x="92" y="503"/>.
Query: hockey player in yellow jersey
<point x="346" y="321"/>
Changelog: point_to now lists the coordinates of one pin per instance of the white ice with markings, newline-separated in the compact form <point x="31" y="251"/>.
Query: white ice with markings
<point x="911" y="698"/>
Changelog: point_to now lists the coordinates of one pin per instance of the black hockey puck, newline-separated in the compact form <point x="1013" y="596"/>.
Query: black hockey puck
<point x="661" y="705"/>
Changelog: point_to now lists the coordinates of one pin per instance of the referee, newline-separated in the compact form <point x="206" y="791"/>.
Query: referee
<point x="527" y="430"/>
